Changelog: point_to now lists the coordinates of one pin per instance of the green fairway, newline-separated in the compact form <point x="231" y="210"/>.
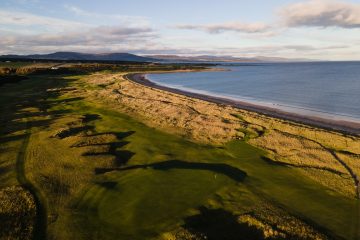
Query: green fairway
<point x="303" y="197"/>
<point x="140" y="204"/>
<point x="161" y="182"/>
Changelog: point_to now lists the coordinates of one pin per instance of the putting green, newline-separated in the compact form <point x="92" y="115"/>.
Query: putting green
<point x="141" y="203"/>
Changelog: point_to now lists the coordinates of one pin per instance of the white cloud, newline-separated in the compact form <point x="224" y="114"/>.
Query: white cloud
<point x="100" y="35"/>
<point x="225" y="27"/>
<point x="76" y="10"/>
<point x="22" y="32"/>
<point x="310" y="13"/>
<point x="321" y="13"/>
<point x="124" y="19"/>
<point x="9" y="19"/>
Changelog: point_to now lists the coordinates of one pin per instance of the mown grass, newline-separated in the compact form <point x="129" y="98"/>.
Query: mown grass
<point x="311" y="150"/>
<point x="17" y="119"/>
<point x="112" y="177"/>
<point x="143" y="195"/>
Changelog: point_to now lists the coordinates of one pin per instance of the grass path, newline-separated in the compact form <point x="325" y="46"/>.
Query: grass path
<point x="41" y="216"/>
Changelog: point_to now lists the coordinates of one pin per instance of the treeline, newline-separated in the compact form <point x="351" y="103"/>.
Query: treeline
<point x="83" y="68"/>
<point x="9" y="74"/>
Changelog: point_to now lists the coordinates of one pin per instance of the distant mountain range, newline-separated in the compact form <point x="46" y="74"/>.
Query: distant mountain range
<point x="83" y="57"/>
<point x="75" y="56"/>
<point x="209" y="58"/>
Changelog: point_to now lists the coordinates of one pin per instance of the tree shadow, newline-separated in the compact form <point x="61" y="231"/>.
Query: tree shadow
<point x="272" y="162"/>
<point x="12" y="138"/>
<point x="5" y="169"/>
<point x="121" y="156"/>
<point x="112" y="144"/>
<point x="220" y="168"/>
<point x="66" y="100"/>
<point x="90" y="117"/>
<point x="73" y="131"/>
<point x="15" y="126"/>
<point x="119" y="135"/>
<point x="122" y="135"/>
<point x="108" y="185"/>
<point x="20" y="103"/>
<point x="218" y="224"/>
<point x="22" y="114"/>
<point x="11" y="79"/>
<point x="58" y="113"/>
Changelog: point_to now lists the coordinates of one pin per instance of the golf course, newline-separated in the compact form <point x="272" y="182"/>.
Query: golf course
<point x="90" y="155"/>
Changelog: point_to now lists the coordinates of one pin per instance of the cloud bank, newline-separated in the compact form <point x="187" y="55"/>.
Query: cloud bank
<point x="92" y="37"/>
<point x="26" y="33"/>
<point x="23" y="20"/>
<point x="23" y="32"/>
<point x="311" y="13"/>
<point x="224" y="27"/>
<point x="321" y="13"/>
<point x="128" y="20"/>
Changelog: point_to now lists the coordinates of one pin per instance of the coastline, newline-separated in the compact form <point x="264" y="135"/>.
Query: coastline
<point x="325" y="156"/>
<point x="345" y="127"/>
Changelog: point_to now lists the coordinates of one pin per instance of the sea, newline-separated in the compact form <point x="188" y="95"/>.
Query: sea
<point x="329" y="90"/>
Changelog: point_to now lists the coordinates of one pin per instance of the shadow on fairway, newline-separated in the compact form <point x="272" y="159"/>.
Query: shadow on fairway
<point x="218" y="224"/>
<point x="220" y="168"/>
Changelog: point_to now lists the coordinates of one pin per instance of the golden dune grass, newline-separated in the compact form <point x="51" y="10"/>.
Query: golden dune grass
<point x="307" y="148"/>
<point x="59" y="167"/>
<point x="17" y="213"/>
<point x="56" y="160"/>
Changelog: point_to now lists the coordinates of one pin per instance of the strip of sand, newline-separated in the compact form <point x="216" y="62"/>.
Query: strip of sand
<point x="329" y="157"/>
<point x="342" y="126"/>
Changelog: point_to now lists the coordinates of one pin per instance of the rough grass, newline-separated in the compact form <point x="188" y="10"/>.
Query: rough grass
<point x="105" y="175"/>
<point x="14" y="64"/>
<point x="17" y="213"/>
<point x="310" y="149"/>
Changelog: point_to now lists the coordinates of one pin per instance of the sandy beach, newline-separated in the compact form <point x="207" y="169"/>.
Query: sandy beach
<point x="324" y="151"/>
<point x="342" y="126"/>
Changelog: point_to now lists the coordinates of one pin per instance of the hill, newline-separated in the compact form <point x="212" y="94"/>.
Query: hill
<point x="83" y="57"/>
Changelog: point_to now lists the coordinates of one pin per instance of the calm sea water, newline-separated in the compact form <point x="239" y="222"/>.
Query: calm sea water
<point x="327" y="89"/>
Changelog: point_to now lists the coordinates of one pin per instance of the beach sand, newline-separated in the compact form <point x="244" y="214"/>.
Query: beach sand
<point x="346" y="127"/>
<point x="325" y="151"/>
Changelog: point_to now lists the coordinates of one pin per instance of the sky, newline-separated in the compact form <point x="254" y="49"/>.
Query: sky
<point x="314" y="29"/>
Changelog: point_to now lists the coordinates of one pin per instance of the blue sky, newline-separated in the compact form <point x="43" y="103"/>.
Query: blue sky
<point x="317" y="29"/>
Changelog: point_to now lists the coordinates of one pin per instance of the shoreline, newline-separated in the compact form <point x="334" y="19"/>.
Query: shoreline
<point x="346" y="127"/>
